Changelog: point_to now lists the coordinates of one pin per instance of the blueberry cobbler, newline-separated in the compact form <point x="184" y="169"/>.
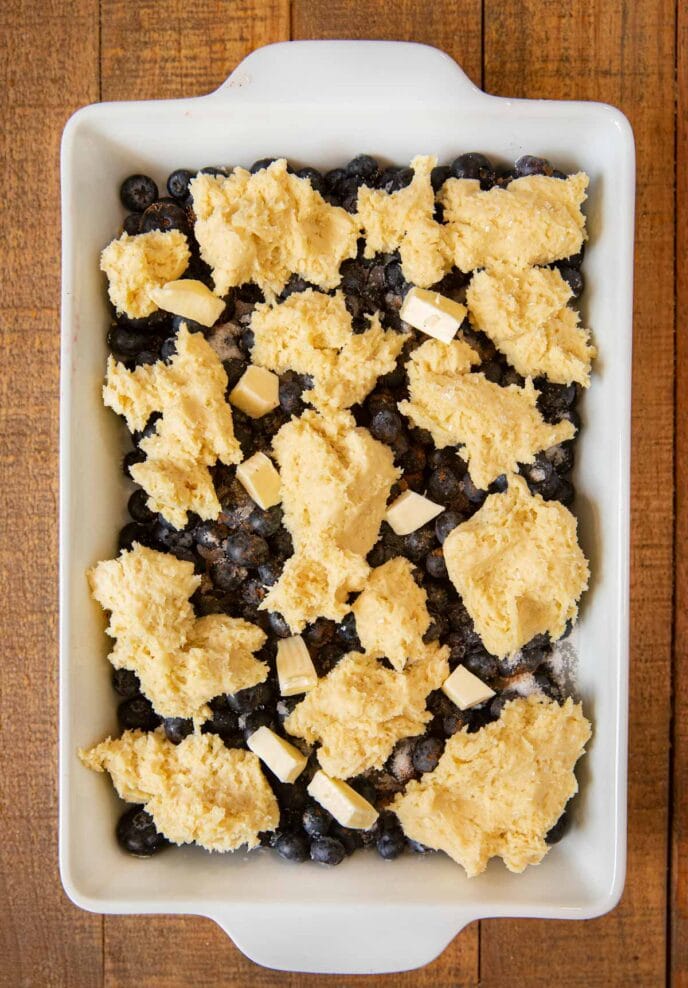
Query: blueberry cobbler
<point x="352" y="406"/>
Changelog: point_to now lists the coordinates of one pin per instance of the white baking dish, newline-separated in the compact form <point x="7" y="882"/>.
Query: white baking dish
<point x="320" y="103"/>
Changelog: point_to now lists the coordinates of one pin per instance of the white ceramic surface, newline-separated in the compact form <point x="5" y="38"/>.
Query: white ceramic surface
<point x="320" y="103"/>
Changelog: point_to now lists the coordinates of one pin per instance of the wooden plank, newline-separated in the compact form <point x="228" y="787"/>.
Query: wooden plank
<point x="622" y="54"/>
<point x="679" y="851"/>
<point x="50" y="68"/>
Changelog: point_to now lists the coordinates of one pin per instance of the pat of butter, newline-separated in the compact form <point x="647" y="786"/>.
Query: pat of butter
<point x="432" y="313"/>
<point x="295" y="670"/>
<point x="411" y="511"/>
<point x="189" y="299"/>
<point x="466" y="690"/>
<point x="257" y="392"/>
<point x="258" y="476"/>
<point x="347" y="806"/>
<point x="282" y="758"/>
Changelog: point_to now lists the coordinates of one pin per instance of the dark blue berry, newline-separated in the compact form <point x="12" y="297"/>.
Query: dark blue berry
<point x="528" y="164"/>
<point x="168" y="349"/>
<point x="137" y="835"/>
<point x="146" y="357"/>
<point x="219" y="171"/>
<point x="315" y="177"/>
<point x="391" y="844"/>
<point x="395" y="179"/>
<point x="426" y="754"/>
<point x="126" y="683"/>
<point x="444" y="485"/>
<point x="290" y="391"/>
<point x="474" y="494"/>
<point x="164" y="216"/>
<point x="292" y="847"/>
<point x="446" y="523"/>
<point x="247" y="549"/>
<point x="132" y="457"/>
<point x="439" y="627"/>
<point x="316" y="820"/>
<point x="210" y="534"/>
<point x="138" y="192"/>
<point x="250" y="722"/>
<point x="435" y="564"/>
<point x="559" y="829"/>
<point x="178" y="183"/>
<point x="320" y="632"/>
<point x="492" y="371"/>
<point x="278" y="624"/>
<point x="260" y="164"/>
<point x="327" y="850"/>
<point x="561" y="457"/>
<point x="347" y="634"/>
<point x="177" y="728"/>
<point x="148" y="430"/>
<point x="270" y="572"/>
<point x="189" y="324"/>
<point x="573" y="278"/>
<point x="565" y="493"/>
<point x="132" y="224"/>
<point x="137" y="714"/>
<point x="227" y="575"/>
<point x="439" y="175"/>
<point x="133" y="532"/>
<point x="138" y="508"/>
<point x="266" y="522"/>
<point x="281" y="544"/>
<point x="365" y="167"/>
<point x="473" y="165"/>
<point x="251" y="698"/>
<point x="419" y="543"/>
<point x="124" y="343"/>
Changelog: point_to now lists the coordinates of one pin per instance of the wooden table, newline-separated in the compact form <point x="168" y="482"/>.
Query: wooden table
<point x="59" y="55"/>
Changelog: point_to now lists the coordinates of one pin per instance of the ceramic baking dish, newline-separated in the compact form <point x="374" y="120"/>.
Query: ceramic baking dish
<point x="320" y="103"/>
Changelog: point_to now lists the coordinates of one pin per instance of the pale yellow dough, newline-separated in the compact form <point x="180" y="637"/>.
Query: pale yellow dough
<point x="534" y="220"/>
<point x="391" y="613"/>
<point x="135" y="265"/>
<point x="182" y="661"/>
<point x="525" y="313"/>
<point x="497" y="792"/>
<point x="497" y="427"/>
<point x="405" y="220"/>
<point x="198" y="791"/>
<point x="361" y="709"/>
<point x="518" y="567"/>
<point x="311" y="333"/>
<point x="264" y="227"/>
<point x="195" y="431"/>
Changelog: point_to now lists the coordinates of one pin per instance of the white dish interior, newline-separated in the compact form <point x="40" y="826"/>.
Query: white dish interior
<point x="320" y="103"/>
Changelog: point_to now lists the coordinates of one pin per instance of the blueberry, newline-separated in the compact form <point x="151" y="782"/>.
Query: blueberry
<point x="216" y="170"/>
<point x="148" y="430"/>
<point x="438" y="596"/>
<point x="435" y="564"/>
<point x="237" y="504"/>
<point x="438" y="629"/>
<point x="177" y="728"/>
<point x="138" y="508"/>
<point x="500" y="701"/>
<point x="260" y="164"/>
<point x="234" y="368"/>
<point x="292" y="847"/>
<point x="281" y="544"/>
<point x="126" y="683"/>
<point x="327" y="850"/>
<point x="190" y="324"/>
<point x="290" y="391"/>
<point x="320" y="632"/>
<point x="316" y="820"/>
<point x="561" y="457"/>
<point x="327" y="658"/>
<point x="559" y="829"/>
<point x="391" y="844"/>
<point x="250" y="722"/>
<point x="541" y="476"/>
<point x="426" y="754"/>
<point x="443" y="485"/>
<point x="210" y="534"/>
<point x="132" y="224"/>
<point x="365" y="167"/>
<point x="528" y="164"/>
<point x="474" y="494"/>
<point x="251" y="698"/>
<point x="575" y="260"/>
<point x="473" y="165"/>
<point x="439" y="175"/>
<point x="227" y="575"/>
<point x="164" y="216"/>
<point x="124" y="343"/>
<point x="270" y="572"/>
<point x="417" y="848"/>
<point x="386" y="425"/>
<point x="395" y="179"/>
<point x="347" y="634"/>
<point x="137" y="714"/>
<point x="394" y="277"/>
<point x="481" y="663"/>
<point x="452" y="723"/>
<point x="419" y="543"/>
<point x="565" y="493"/>
<point x="315" y="177"/>
<point x="492" y="371"/>
<point x="133" y="532"/>
<point x="446" y="523"/>
<point x="137" y="835"/>
<point x="279" y="625"/>
<point x="266" y="522"/>
<point x="138" y="192"/>
<point x="573" y="278"/>
<point x="132" y="457"/>
<point x="246" y="341"/>
<point x="168" y="349"/>
<point x="247" y="549"/>
<point x="555" y="400"/>
<point x="178" y="183"/>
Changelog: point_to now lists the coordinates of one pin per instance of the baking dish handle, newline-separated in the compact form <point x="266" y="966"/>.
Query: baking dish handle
<point x="347" y="71"/>
<point x="344" y="939"/>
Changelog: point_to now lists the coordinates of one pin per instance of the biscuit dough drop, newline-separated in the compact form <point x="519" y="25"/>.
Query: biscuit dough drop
<point x="137" y="265"/>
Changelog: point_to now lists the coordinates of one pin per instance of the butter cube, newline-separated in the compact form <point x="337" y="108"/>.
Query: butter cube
<point x="282" y="758"/>
<point x="258" y="476"/>
<point x="466" y="690"/>
<point x="411" y="511"/>
<point x="257" y="392"/>
<point x="190" y="299"/>
<point x="295" y="670"/>
<point x="433" y="314"/>
<point x="347" y="806"/>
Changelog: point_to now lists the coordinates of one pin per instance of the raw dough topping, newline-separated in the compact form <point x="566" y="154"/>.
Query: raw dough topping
<point x="311" y="333"/>
<point x="335" y="480"/>
<point x="182" y="661"/>
<point x="266" y="226"/>
<point x="497" y="427"/>
<point x="499" y="791"/>
<point x="525" y="314"/>
<point x="518" y="567"/>
<point x="135" y="265"/>
<point x="361" y="709"/>
<point x="534" y="220"/>
<point x="197" y="791"/>
<point x="391" y="613"/>
<point x="195" y="430"/>
<point x="405" y="220"/>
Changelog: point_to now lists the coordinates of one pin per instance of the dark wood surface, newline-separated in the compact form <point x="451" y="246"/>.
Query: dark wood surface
<point x="59" y="55"/>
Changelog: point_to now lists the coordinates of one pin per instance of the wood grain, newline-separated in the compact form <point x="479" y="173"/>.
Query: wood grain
<point x="678" y="955"/>
<point x="49" y="68"/>
<point x="622" y="54"/>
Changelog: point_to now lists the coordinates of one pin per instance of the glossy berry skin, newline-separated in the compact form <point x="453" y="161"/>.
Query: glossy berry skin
<point x="251" y="698"/>
<point x="391" y="844"/>
<point x="138" y="508"/>
<point x="137" y="714"/>
<point x="315" y="177"/>
<point x="439" y="175"/>
<point x="473" y="165"/>
<point x="292" y="847"/>
<point x="528" y="164"/>
<point x="247" y="549"/>
<point x="126" y="683"/>
<point x="178" y="183"/>
<point x="177" y="728"/>
<point x="138" y="192"/>
<point x="136" y="833"/>
<point x="446" y="523"/>
<point x="130" y="458"/>
<point x="316" y="820"/>
<point x="266" y="523"/>
<point x="559" y="829"/>
<point x="426" y="754"/>
<point x="327" y="850"/>
<point x="132" y="224"/>
<point x="164" y="216"/>
<point x="573" y="278"/>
